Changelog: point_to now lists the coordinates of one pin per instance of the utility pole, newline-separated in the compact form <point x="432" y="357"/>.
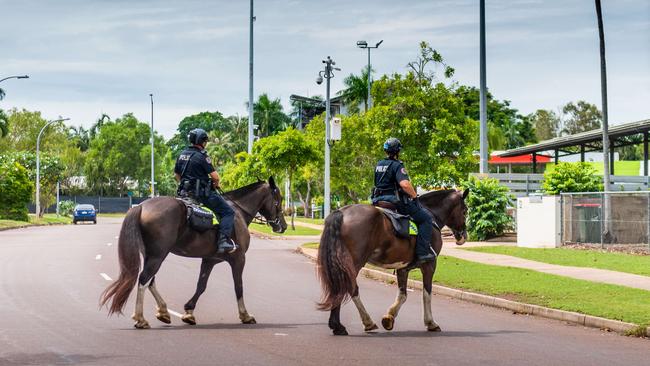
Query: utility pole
<point x="328" y="73"/>
<point x="153" y="182"/>
<point x="364" y="44"/>
<point x="606" y="234"/>
<point x="250" y="83"/>
<point x="483" y="167"/>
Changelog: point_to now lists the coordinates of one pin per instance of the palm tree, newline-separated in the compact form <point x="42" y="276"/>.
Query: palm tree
<point x="2" y="94"/>
<point x="4" y="123"/>
<point x="269" y="116"/>
<point x="356" y="90"/>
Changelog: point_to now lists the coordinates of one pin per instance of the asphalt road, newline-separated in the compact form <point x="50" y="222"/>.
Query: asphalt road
<point x="50" y="281"/>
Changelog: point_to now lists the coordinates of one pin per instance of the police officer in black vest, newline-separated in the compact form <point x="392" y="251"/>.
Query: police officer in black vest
<point x="392" y="185"/>
<point x="198" y="179"/>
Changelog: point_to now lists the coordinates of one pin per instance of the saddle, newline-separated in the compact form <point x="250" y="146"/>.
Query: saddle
<point x="402" y="224"/>
<point x="199" y="218"/>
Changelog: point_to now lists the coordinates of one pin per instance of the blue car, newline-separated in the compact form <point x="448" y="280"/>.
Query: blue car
<point x="84" y="213"/>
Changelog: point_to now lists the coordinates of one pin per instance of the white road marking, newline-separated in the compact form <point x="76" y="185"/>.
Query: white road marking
<point x="98" y="257"/>
<point x="109" y="244"/>
<point x="281" y="334"/>
<point x="117" y="237"/>
<point x="105" y="276"/>
<point x="172" y="312"/>
<point x="409" y="289"/>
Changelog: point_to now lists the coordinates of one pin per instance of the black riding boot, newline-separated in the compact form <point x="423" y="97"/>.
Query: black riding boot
<point x="225" y="244"/>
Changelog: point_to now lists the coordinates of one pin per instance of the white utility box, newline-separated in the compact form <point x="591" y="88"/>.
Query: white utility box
<point x="335" y="129"/>
<point x="538" y="222"/>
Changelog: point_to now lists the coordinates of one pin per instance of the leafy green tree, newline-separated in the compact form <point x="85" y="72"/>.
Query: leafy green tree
<point x="2" y="94"/>
<point x="246" y="169"/>
<point x="431" y="57"/>
<point x="307" y="183"/>
<point x="546" y="124"/>
<point x="269" y="116"/>
<point x="228" y="141"/>
<point x="356" y="90"/>
<point x="119" y="157"/>
<point x="25" y="126"/>
<point x="209" y="121"/>
<point x="487" y="203"/>
<point x="16" y="190"/>
<point x="4" y="124"/>
<point x="81" y="137"/>
<point x="51" y="172"/>
<point x="571" y="177"/>
<point x="286" y="152"/>
<point x="516" y="130"/>
<point x="580" y="117"/>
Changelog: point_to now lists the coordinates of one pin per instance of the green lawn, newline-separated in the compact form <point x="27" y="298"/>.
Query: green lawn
<point x="623" y="167"/>
<point x="47" y="219"/>
<point x="299" y="230"/>
<point x="118" y="214"/>
<point x="607" y="301"/>
<point x="306" y="219"/>
<point x="629" y="263"/>
<point x="311" y="245"/>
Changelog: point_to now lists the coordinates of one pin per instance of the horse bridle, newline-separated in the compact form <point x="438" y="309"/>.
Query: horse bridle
<point x="259" y="218"/>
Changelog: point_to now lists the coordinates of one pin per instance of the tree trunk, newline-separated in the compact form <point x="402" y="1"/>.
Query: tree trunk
<point x="293" y="208"/>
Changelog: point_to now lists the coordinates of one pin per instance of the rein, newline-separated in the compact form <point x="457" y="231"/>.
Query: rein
<point x="257" y="218"/>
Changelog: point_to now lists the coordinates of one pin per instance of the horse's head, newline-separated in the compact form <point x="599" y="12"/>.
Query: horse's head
<point x="456" y="218"/>
<point x="272" y="208"/>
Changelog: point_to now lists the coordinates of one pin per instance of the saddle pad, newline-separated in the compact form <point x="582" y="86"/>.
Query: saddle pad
<point x="402" y="224"/>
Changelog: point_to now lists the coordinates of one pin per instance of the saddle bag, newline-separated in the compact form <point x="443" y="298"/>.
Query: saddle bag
<point x="199" y="219"/>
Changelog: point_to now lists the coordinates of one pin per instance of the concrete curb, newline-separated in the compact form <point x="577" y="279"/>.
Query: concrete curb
<point x="514" y="306"/>
<point x="32" y="225"/>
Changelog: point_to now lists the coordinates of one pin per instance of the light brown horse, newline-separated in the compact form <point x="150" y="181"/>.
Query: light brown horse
<point x="358" y="234"/>
<point x="159" y="226"/>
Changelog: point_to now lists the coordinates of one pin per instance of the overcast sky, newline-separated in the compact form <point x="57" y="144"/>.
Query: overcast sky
<point x="87" y="57"/>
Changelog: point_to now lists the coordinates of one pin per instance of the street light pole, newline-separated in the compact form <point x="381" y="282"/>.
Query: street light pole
<point x="15" y="77"/>
<point x="483" y="166"/>
<point x="364" y="44"/>
<point x="328" y="73"/>
<point x="153" y="182"/>
<point x="250" y="83"/>
<point x="38" y="165"/>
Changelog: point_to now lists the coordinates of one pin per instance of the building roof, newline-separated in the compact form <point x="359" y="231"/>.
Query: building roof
<point x="583" y="138"/>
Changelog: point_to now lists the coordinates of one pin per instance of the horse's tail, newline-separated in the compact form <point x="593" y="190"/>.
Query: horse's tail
<point x="335" y="265"/>
<point x="129" y="245"/>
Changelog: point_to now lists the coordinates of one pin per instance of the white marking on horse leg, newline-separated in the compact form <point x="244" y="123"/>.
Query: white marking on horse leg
<point x="365" y="317"/>
<point x="244" y="316"/>
<point x="399" y="301"/>
<point x="428" y="317"/>
<point x="105" y="276"/>
<point x="162" y="306"/>
<point x="138" y="316"/>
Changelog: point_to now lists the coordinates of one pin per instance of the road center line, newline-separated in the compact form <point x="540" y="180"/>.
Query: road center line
<point x="172" y="312"/>
<point x="109" y="244"/>
<point x="105" y="276"/>
<point x="98" y="257"/>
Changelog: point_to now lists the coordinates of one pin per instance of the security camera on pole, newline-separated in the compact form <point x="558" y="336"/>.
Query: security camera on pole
<point x="328" y="73"/>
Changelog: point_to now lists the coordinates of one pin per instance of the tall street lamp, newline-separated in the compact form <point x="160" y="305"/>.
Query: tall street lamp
<point x="38" y="165"/>
<point x="328" y="73"/>
<point x="250" y="82"/>
<point x="153" y="182"/>
<point x="483" y="132"/>
<point x="364" y="44"/>
<point x="15" y="77"/>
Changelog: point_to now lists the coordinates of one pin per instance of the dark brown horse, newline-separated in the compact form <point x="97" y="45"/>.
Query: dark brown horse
<point x="158" y="227"/>
<point x="357" y="234"/>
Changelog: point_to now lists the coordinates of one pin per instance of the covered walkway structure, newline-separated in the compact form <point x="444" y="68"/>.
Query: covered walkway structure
<point x="627" y="134"/>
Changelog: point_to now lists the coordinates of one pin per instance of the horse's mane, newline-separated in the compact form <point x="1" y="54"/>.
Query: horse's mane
<point x="437" y="195"/>
<point x="242" y="191"/>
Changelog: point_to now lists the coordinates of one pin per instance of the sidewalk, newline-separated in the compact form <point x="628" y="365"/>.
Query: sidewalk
<point x="582" y="273"/>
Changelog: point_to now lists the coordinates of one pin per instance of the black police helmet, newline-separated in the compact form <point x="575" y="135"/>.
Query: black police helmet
<point x="392" y="146"/>
<point x="197" y="136"/>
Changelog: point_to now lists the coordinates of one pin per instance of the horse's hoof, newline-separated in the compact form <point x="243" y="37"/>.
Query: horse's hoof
<point x="371" y="327"/>
<point x="434" y="328"/>
<point x="164" y="317"/>
<point x="340" y="332"/>
<point x="141" y="324"/>
<point x="387" y="322"/>
<point x="249" y="320"/>
<point x="188" y="319"/>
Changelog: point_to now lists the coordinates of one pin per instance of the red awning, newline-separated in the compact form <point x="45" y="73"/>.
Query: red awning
<point x="521" y="159"/>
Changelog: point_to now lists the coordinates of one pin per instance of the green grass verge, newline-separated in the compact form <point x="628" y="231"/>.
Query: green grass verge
<point x="628" y="263"/>
<point x="118" y="214"/>
<point x="592" y="298"/>
<point x="299" y="230"/>
<point x="47" y="219"/>
<point x="306" y="220"/>
<point x="623" y="167"/>
<point x="311" y="245"/>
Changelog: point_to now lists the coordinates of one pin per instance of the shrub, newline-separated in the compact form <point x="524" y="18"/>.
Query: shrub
<point x="487" y="204"/>
<point x="66" y="208"/>
<point x="15" y="191"/>
<point x="571" y="177"/>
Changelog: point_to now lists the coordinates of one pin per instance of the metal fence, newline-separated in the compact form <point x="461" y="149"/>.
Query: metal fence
<point x="584" y="218"/>
<point x="102" y="204"/>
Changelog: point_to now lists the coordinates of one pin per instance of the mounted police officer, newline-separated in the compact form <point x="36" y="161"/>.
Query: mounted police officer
<point x="392" y="184"/>
<point x="198" y="179"/>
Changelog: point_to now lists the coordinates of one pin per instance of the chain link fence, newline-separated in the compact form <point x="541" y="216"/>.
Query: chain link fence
<point x="102" y="204"/>
<point x="586" y="220"/>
